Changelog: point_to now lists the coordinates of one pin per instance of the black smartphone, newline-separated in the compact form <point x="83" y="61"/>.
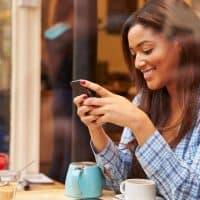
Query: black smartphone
<point x="78" y="89"/>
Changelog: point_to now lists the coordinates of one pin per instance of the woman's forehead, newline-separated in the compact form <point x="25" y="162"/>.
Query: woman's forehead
<point x="139" y="34"/>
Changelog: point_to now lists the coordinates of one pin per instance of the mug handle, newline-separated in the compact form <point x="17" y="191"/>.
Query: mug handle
<point x="122" y="187"/>
<point x="75" y="180"/>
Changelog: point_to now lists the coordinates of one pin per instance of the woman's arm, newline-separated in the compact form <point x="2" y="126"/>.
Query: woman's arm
<point x="176" y="177"/>
<point x="108" y="107"/>
<point x="99" y="138"/>
<point x="115" y="161"/>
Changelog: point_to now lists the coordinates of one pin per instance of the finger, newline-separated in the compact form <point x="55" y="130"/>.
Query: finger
<point x="98" y="111"/>
<point x="79" y="99"/>
<point x="95" y="101"/>
<point x="89" y="119"/>
<point x="83" y="110"/>
<point x="101" y="91"/>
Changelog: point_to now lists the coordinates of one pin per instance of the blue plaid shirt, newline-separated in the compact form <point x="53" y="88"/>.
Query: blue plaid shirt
<point x="176" y="172"/>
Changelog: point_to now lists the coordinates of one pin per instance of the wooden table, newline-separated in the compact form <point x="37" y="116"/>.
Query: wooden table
<point x="52" y="192"/>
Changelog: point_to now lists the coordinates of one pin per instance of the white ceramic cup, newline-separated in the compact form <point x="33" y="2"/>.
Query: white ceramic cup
<point x="138" y="189"/>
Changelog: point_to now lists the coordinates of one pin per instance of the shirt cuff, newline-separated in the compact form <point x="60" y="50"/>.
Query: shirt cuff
<point x="152" y="153"/>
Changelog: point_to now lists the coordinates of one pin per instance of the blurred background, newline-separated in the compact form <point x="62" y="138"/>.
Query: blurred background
<point x="78" y="39"/>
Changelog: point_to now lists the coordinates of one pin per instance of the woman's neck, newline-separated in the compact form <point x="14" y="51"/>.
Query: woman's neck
<point x="174" y="97"/>
<point x="176" y="106"/>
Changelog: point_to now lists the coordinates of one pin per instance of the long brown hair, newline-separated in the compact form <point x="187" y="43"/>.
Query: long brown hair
<point x="156" y="103"/>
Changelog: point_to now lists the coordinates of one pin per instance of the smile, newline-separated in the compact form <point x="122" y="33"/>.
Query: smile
<point x="148" y="74"/>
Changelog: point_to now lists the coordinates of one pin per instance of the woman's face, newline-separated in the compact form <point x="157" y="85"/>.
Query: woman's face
<point x="155" y="56"/>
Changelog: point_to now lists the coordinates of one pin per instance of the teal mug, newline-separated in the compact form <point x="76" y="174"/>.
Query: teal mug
<point x="83" y="180"/>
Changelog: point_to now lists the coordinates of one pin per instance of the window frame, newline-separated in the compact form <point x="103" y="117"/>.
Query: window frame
<point x="25" y="86"/>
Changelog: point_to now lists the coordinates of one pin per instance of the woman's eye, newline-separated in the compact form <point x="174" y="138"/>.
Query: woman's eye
<point x="147" y="51"/>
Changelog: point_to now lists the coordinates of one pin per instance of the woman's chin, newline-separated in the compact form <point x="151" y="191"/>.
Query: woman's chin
<point x="153" y="86"/>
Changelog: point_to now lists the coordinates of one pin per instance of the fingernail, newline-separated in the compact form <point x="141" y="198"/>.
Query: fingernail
<point x="85" y="97"/>
<point x="82" y="82"/>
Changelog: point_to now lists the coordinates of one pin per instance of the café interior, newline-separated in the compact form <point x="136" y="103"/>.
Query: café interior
<point x="38" y="121"/>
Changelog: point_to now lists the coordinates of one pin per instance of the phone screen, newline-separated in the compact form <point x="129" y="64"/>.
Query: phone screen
<point x="78" y="89"/>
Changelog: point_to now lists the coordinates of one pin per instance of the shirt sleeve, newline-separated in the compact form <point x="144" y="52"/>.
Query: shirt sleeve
<point x="175" y="179"/>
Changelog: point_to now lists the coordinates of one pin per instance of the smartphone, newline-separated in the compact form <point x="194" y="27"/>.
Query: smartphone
<point x="78" y="89"/>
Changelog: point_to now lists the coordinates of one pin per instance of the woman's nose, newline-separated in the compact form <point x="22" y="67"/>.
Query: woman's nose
<point x="139" y="62"/>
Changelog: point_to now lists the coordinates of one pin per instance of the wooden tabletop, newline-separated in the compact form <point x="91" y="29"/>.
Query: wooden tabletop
<point x="54" y="191"/>
<point x="54" y="185"/>
<point x="55" y="194"/>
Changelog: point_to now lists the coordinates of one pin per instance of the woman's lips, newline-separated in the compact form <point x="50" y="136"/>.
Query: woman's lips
<point x="148" y="74"/>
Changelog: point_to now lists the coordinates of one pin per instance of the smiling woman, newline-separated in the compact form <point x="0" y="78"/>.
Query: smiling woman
<point x="160" y="140"/>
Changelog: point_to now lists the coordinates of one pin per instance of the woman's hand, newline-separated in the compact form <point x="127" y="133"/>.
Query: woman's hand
<point x="84" y="110"/>
<point x="112" y="108"/>
<point x="108" y="107"/>
<point x="98" y="136"/>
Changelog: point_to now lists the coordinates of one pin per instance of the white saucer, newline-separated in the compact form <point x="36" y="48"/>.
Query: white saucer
<point x="121" y="197"/>
<point x="118" y="197"/>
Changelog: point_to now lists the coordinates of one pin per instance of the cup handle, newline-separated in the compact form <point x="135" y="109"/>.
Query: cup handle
<point x="75" y="180"/>
<point x="122" y="187"/>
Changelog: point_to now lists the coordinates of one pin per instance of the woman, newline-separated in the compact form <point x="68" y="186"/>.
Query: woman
<point x="161" y="138"/>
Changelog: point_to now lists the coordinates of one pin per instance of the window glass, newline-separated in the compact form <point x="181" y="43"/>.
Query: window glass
<point x="58" y="58"/>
